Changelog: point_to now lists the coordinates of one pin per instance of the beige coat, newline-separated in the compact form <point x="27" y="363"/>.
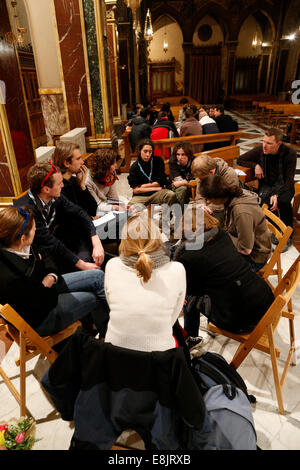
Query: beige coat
<point x="247" y="226"/>
<point x="229" y="175"/>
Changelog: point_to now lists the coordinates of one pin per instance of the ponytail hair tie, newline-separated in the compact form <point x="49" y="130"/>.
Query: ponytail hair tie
<point x="141" y="252"/>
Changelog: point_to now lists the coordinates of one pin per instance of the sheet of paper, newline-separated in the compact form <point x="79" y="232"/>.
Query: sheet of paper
<point x="239" y="172"/>
<point x="103" y="220"/>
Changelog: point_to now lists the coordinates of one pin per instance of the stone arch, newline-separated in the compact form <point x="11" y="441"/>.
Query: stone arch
<point x="261" y="15"/>
<point x="217" y="13"/>
<point x="217" y="35"/>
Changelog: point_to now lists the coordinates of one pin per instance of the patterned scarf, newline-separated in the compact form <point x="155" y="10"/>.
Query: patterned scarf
<point x="109" y="179"/>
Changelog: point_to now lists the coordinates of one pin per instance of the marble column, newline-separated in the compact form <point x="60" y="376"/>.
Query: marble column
<point x="16" y="143"/>
<point x="82" y="38"/>
<point x="113" y="59"/>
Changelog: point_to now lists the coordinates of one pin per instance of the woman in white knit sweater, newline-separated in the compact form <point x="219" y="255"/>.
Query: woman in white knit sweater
<point x="144" y="289"/>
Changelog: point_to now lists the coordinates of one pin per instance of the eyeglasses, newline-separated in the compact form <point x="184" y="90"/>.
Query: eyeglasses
<point x="25" y="214"/>
<point x="53" y="170"/>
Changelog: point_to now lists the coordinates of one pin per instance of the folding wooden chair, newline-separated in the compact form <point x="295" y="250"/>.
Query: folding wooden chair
<point x="262" y="337"/>
<point x="31" y="344"/>
<point x="282" y="233"/>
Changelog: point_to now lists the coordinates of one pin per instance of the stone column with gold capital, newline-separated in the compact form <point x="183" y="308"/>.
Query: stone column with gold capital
<point x="113" y="59"/>
<point x="83" y="52"/>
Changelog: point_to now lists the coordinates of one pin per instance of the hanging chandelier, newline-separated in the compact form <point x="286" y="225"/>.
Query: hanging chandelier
<point x="148" y="30"/>
<point x="10" y="37"/>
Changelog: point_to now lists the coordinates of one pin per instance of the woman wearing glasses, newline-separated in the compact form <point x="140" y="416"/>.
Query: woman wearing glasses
<point x="32" y="285"/>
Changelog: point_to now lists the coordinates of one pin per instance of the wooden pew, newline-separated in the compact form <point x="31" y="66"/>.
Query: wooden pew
<point x="163" y="144"/>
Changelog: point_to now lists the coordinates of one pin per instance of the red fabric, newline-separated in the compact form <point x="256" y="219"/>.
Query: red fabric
<point x="157" y="134"/>
<point x="183" y="331"/>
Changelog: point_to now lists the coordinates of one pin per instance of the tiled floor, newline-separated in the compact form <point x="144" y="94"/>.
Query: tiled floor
<point x="274" y="431"/>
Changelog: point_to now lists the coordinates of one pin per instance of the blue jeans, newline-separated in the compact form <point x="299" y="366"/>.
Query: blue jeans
<point x="79" y="294"/>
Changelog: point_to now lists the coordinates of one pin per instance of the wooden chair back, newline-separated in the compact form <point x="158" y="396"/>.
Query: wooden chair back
<point x="282" y="233"/>
<point x="31" y="344"/>
<point x="262" y="337"/>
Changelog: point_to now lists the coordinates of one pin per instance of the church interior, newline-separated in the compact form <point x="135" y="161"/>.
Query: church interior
<point x="73" y="70"/>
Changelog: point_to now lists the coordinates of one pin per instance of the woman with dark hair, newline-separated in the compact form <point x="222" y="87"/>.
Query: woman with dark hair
<point x="244" y="219"/>
<point x="180" y="171"/>
<point x="147" y="177"/>
<point x="101" y="180"/>
<point x="220" y="282"/>
<point x="32" y="285"/>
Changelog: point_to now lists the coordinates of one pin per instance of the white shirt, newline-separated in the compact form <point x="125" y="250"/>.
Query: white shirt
<point x="142" y="314"/>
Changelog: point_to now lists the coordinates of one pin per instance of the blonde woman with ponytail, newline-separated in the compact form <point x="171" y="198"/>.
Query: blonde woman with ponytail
<point x="144" y="289"/>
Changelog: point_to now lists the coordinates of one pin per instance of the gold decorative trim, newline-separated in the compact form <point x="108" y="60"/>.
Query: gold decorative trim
<point x="60" y="66"/>
<point x="5" y="202"/>
<point x="10" y="152"/>
<point x="86" y="62"/>
<point x="50" y="91"/>
<point x="98" y="142"/>
<point x="115" y="64"/>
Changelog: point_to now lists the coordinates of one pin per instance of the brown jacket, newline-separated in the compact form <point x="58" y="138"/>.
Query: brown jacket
<point x="192" y="127"/>
<point x="247" y="226"/>
<point x="229" y="175"/>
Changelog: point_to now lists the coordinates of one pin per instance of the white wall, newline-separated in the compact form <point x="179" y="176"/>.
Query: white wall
<point x="175" y="40"/>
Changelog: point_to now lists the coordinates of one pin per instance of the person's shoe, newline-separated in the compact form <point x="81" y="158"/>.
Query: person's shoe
<point x="274" y="239"/>
<point x="287" y="245"/>
<point x="193" y="341"/>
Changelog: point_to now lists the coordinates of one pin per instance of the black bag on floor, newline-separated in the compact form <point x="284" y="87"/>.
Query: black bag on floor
<point x="229" y="422"/>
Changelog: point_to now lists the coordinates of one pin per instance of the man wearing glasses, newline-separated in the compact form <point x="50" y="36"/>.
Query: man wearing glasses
<point x="55" y="215"/>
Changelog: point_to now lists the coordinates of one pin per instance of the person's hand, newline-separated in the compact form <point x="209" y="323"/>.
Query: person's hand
<point x="259" y="172"/>
<point x="48" y="281"/>
<point x="98" y="255"/>
<point x="207" y="210"/>
<point x="274" y="203"/>
<point x="82" y="176"/>
<point x="85" y="266"/>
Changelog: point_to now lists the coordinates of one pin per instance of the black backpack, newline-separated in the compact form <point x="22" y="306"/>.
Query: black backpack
<point x="228" y="423"/>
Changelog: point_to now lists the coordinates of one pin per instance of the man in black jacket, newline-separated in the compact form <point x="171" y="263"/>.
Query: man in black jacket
<point x="274" y="165"/>
<point x="141" y="128"/>
<point x="56" y="217"/>
<point x="224" y="122"/>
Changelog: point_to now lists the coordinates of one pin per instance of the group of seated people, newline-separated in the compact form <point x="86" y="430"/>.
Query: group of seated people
<point x="53" y="268"/>
<point x="192" y="121"/>
<point x="147" y="123"/>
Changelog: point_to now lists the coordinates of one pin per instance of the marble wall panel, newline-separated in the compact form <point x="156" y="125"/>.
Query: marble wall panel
<point x="6" y="186"/>
<point x="54" y="115"/>
<point x="93" y="64"/>
<point x="73" y="64"/>
<point x="15" y="106"/>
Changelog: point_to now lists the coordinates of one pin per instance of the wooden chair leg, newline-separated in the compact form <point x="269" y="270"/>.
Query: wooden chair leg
<point x="275" y="370"/>
<point x="22" y="376"/>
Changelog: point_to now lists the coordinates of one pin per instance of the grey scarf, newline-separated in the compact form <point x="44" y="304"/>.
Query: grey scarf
<point x="158" y="257"/>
